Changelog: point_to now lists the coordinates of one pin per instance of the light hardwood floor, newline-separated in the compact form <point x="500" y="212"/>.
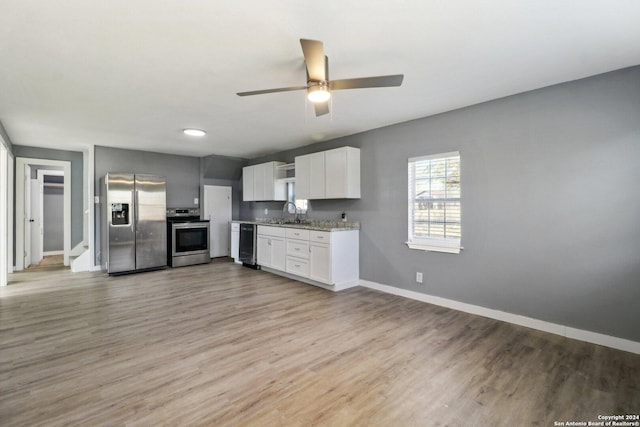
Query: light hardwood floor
<point x="223" y="345"/>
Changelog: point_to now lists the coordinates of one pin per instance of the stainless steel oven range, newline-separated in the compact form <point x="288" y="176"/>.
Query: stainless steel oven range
<point x="188" y="237"/>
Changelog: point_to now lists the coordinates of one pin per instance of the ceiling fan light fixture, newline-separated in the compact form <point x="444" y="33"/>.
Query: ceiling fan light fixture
<point x="194" y="132"/>
<point x="318" y="93"/>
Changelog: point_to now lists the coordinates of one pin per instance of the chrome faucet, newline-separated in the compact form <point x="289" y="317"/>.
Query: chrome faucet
<point x="295" y="210"/>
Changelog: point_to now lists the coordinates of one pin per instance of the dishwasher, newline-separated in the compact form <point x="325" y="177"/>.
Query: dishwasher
<point x="247" y="246"/>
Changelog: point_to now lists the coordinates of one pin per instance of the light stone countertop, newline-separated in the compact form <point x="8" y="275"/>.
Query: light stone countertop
<point x="307" y="224"/>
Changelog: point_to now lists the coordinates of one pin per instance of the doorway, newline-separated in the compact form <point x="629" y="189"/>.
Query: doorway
<point x="30" y="225"/>
<point x="217" y="209"/>
<point x="47" y="217"/>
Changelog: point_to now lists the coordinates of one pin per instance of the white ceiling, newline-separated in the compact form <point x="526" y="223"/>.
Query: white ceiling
<point x="133" y="74"/>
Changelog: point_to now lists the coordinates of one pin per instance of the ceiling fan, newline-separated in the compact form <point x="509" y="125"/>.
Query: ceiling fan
<point x="319" y="86"/>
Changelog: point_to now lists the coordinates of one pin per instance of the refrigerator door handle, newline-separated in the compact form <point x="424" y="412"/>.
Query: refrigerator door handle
<point x="135" y="211"/>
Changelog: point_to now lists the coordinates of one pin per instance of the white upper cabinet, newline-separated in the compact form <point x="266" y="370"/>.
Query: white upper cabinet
<point x="259" y="182"/>
<point x="310" y="176"/>
<point x="247" y="184"/>
<point x="332" y="174"/>
<point x="342" y="173"/>
<point x="303" y="176"/>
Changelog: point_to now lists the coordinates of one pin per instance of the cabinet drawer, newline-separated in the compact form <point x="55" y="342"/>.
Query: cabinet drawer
<point x="297" y="233"/>
<point x="298" y="248"/>
<point x="320" y="236"/>
<point x="297" y="266"/>
<point x="265" y="230"/>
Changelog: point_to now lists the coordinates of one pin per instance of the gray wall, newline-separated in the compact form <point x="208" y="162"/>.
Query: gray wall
<point x="182" y="174"/>
<point x="75" y="157"/>
<point x="53" y="219"/>
<point x="550" y="204"/>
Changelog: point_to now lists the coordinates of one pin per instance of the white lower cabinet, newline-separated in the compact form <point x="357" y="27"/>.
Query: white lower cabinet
<point x="270" y="247"/>
<point x="297" y="251"/>
<point x="320" y="262"/>
<point x="278" y="258"/>
<point x="323" y="258"/>
<point x="263" y="251"/>
<point x="298" y="266"/>
<point x="235" y="241"/>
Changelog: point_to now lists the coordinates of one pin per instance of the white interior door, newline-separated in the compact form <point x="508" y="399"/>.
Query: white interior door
<point x="217" y="209"/>
<point x="36" y="221"/>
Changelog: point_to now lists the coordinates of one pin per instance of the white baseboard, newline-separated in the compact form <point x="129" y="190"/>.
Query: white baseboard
<point x="541" y="325"/>
<point x="48" y="253"/>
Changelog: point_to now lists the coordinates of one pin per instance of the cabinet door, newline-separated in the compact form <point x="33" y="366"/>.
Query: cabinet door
<point x="268" y="173"/>
<point x="259" y="182"/>
<point x="247" y="184"/>
<point x="235" y="245"/>
<point x="264" y="251"/>
<point x="320" y="263"/>
<point x="342" y="169"/>
<point x="317" y="176"/>
<point x="303" y="176"/>
<point x="278" y="254"/>
<point x="336" y="173"/>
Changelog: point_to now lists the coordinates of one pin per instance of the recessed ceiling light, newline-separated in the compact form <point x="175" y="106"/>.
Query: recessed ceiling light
<point x="194" y="132"/>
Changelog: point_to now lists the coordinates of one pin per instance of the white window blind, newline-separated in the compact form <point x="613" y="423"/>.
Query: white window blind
<point x="434" y="203"/>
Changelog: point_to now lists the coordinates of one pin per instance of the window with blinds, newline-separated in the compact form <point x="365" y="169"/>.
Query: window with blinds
<point x="434" y="203"/>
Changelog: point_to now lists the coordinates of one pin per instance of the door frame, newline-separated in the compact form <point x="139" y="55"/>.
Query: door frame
<point x="21" y="163"/>
<point x="207" y="215"/>
<point x="6" y="185"/>
<point x="40" y="174"/>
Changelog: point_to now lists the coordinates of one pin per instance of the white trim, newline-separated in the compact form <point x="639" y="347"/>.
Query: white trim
<point x="11" y="198"/>
<point x="49" y="253"/>
<point x="77" y="250"/>
<point x="21" y="162"/>
<point x="451" y="249"/>
<point x="40" y="173"/>
<point x="541" y="325"/>
<point x="91" y="206"/>
<point x="434" y="156"/>
<point x="4" y="210"/>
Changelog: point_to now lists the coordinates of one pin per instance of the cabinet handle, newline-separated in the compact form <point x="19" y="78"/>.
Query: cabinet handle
<point x="297" y="249"/>
<point x="320" y="237"/>
<point x="297" y="265"/>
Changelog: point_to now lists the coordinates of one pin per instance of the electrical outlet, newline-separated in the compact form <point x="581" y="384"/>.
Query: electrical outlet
<point x="195" y="200"/>
<point x="266" y="211"/>
<point x="419" y="277"/>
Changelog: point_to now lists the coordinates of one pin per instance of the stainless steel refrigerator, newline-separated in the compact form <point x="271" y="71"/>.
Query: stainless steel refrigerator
<point x="134" y="218"/>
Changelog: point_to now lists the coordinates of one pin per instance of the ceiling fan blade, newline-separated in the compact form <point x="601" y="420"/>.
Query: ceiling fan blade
<point x="313" y="51"/>
<point x="321" y="108"/>
<point x="364" y="82"/>
<point x="261" y="92"/>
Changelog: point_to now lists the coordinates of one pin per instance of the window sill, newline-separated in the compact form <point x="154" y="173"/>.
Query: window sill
<point x="432" y="248"/>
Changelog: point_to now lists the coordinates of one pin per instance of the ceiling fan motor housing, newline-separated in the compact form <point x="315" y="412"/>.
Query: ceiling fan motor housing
<point x="318" y="91"/>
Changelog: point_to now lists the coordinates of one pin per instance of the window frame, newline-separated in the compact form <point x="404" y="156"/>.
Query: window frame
<point x="447" y="245"/>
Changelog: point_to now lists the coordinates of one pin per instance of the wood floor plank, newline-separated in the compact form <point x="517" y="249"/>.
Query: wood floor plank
<point x="223" y="345"/>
